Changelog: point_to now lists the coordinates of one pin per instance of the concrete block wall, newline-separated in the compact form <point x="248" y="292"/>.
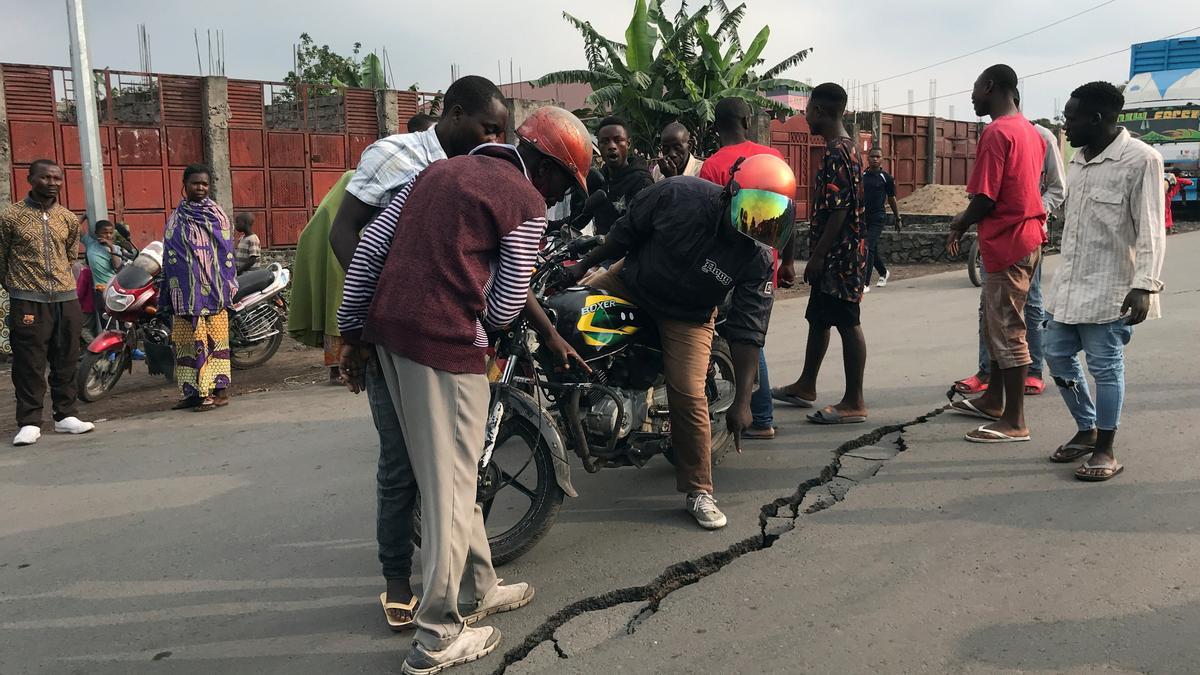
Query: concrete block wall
<point x="214" y="96"/>
<point x="6" y="186"/>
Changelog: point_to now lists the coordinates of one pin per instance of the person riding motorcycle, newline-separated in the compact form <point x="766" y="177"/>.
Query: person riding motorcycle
<point x="687" y="245"/>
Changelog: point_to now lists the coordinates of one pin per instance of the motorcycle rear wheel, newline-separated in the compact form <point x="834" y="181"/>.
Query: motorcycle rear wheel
<point x="544" y="498"/>
<point x="99" y="373"/>
<point x="245" y="357"/>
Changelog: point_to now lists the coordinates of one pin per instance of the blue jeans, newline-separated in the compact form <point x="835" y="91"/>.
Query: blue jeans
<point x="1104" y="346"/>
<point x="1034" y="317"/>
<point x="396" y="486"/>
<point x="761" y="405"/>
<point x="875" y="225"/>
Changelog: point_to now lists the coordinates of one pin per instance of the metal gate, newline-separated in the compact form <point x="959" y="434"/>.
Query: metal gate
<point x="289" y="145"/>
<point x="150" y="129"/>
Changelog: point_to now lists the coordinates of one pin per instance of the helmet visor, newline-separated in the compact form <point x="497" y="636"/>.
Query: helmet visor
<point x="766" y="217"/>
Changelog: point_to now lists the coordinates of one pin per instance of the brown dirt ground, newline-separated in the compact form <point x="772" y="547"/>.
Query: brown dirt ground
<point x="139" y="392"/>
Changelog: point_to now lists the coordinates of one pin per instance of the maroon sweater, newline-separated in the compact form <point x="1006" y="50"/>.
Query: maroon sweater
<point x="431" y="291"/>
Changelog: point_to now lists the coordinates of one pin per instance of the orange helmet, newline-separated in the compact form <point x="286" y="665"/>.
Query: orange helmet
<point x="560" y="135"/>
<point x="762" y="190"/>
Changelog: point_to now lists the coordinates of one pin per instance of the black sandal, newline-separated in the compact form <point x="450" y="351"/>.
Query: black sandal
<point x="186" y="403"/>
<point x="1069" y="452"/>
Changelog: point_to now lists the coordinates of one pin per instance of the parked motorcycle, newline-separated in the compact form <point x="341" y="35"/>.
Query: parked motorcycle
<point x="256" y="324"/>
<point x="614" y="417"/>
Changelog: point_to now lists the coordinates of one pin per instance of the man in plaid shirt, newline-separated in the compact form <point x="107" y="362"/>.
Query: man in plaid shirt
<point x="248" y="248"/>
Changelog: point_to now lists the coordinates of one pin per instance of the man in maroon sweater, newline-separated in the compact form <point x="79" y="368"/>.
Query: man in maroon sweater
<point x="432" y="310"/>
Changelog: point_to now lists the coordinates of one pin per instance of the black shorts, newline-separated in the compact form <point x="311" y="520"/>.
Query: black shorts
<point x="827" y="311"/>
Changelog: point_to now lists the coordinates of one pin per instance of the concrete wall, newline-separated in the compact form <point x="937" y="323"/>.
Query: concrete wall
<point x="6" y="186"/>
<point x="518" y="110"/>
<point x="387" y="109"/>
<point x="214" y="95"/>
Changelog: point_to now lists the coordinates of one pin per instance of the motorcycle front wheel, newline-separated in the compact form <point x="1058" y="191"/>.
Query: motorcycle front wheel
<point x="253" y="355"/>
<point x="517" y="491"/>
<point x="975" y="264"/>
<point x="99" y="373"/>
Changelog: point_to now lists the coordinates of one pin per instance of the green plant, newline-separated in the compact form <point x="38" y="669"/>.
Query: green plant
<point x="677" y="68"/>
<point x="324" y="70"/>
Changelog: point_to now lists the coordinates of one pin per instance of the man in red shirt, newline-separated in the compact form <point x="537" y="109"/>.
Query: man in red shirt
<point x="1006" y="202"/>
<point x="732" y="120"/>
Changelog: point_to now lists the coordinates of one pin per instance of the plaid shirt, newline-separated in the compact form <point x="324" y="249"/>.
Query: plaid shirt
<point x="248" y="248"/>
<point x="389" y="163"/>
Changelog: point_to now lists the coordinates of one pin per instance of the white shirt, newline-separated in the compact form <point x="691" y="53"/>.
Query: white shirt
<point x="1114" y="237"/>
<point x="389" y="163"/>
<point x="1054" y="177"/>
<point x="692" y="169"/>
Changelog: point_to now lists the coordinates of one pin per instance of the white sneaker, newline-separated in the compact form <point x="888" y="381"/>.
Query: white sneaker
<point x="27" y="435"/>
<point x="502" y="598"/>
<point x="884" y="279"/>
<point x="471" y="644"/>
<point x="866" y="289"/>
<point x="73" y="425"/>
<point x="704" y="509"/>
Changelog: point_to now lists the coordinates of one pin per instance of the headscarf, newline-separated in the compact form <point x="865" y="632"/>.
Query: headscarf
<point x="200" y="275"/>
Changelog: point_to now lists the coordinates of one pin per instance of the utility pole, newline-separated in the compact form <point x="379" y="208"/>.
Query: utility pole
<point x="88" y="118"/>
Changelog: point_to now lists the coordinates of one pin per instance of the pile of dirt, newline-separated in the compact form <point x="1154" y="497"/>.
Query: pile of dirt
<point x="935" y="200"/>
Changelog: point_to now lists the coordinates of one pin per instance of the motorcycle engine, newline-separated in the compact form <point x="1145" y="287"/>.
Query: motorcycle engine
<point x="600" y="419"/>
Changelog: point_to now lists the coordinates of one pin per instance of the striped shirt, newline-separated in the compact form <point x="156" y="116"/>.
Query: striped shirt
<point x="504" y="294"/>
<point x="1113" y="238"/>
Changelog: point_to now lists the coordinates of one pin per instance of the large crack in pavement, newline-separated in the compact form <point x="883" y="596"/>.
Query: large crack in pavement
<point x="771" y="527"/>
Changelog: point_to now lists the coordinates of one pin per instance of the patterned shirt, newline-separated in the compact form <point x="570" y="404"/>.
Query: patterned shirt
<point x="247" y="248"/>
<point x="1113" y="236"/>
<point x="388" y="163"/>
<point x="836" y="187"/>
<point x="37" y="248"/>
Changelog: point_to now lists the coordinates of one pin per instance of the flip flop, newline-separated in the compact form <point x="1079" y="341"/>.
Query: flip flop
<point x="780" y="395"/>
<point x="967" y="407"/>
<point x="1069" y="452"/>
<point x="830" y="415"/>
<point x="1113" y="472"/>
<point x="970" y="385"/>
<point x="1034" y="386"/>
<point x="389" y="607"/>
<point x="993" y="436"/>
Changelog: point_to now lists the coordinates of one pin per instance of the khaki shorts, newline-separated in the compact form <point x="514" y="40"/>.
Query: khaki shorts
<point x="1004" y="295"/>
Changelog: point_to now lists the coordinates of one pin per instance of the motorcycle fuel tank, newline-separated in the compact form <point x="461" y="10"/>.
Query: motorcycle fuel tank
<point x="595" y="323"/>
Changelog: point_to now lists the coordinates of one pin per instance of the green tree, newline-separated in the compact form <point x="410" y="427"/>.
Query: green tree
<point x="319" y="65"/>
<point x="677" y="68"/>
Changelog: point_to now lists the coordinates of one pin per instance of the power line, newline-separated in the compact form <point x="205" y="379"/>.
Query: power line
<point x="1048" y="70"/>
<point x="992" y="46"/>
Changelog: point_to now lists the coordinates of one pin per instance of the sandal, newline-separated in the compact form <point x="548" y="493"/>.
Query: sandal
<point x="1034" y="386"/>
<point x="1084" y="472"/>
<point x="1069" y="452"/>
<point x="209" y="403"/>
<point x="187" y="403"/>
<point x="221" y="398"/>
<point x="392" y="612"/>
<point x="970" y="385"/>
<point x="967" y="407"/>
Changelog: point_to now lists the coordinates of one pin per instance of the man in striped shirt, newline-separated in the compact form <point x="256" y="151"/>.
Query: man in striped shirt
<point x="1112" y="255"/>
<point x="457" y="264"/>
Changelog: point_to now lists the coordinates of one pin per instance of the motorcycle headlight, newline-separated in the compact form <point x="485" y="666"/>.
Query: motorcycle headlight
<point x="116" y="301"/>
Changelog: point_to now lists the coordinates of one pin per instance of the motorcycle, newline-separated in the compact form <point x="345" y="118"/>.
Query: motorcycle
<point x="256" y="324"/>
<point x="616" y="416"/>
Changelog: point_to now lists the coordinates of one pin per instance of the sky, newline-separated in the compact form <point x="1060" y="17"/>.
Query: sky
<point x="860" y="42"/>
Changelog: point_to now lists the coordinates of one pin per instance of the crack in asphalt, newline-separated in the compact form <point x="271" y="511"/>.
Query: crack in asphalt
<point x="688" y="572"/>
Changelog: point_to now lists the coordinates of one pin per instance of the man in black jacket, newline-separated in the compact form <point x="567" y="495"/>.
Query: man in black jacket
<point x="688" y="244"/>
<point x="622" y="176"/>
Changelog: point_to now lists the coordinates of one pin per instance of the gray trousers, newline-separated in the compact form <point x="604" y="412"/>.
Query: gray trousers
<point x="443" y="416"/>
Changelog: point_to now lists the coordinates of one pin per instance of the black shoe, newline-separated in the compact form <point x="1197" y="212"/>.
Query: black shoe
<point x="187" y="403"/>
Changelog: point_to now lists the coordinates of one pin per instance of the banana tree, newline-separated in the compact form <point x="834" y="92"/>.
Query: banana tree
<point x="676" y="68"/>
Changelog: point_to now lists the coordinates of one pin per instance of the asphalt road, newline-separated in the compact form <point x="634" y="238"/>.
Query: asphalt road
<point x="242" y="541"/>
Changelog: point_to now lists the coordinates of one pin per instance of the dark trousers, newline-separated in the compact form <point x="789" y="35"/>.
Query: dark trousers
<point x="44" y="333"/>
<point x="875" y="225"/>
<point x="396" y="484"/>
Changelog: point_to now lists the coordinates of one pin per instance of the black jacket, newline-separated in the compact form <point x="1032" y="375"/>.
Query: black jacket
<point x="681" y="262"/>
<point x="621" y="186"/>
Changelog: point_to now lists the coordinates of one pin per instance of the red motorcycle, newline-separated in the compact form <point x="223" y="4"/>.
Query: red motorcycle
<point x="256" y="324"/>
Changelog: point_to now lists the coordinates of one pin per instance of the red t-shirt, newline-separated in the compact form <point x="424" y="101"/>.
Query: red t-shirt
<point x="716" y="167"/>
<point x="1008" y="170"/>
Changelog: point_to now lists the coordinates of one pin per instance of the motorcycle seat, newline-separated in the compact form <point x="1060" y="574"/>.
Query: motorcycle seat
<point x="252" y="282"/>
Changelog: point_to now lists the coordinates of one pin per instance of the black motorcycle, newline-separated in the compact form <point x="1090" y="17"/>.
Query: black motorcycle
<point x="616" y="416"/>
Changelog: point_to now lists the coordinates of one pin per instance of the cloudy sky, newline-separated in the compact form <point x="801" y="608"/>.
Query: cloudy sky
<point x="862" y="41"/>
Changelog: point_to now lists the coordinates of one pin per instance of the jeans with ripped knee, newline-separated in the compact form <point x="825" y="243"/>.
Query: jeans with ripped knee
<point x="1103" y="345"/>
